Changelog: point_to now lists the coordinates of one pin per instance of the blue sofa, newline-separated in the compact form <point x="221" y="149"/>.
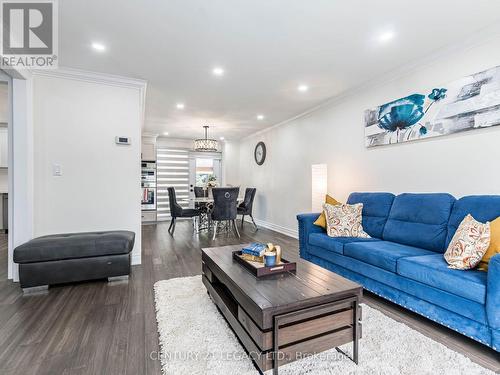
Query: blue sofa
<point x="403" y="260"/>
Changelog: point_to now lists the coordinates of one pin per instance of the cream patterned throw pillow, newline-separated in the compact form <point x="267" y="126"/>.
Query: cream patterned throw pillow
<point x="344" y="220"/>
<point x="468" y="245"/>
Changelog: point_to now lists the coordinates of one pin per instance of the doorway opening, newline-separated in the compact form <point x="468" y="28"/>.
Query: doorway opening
<point x="204" y="170"/>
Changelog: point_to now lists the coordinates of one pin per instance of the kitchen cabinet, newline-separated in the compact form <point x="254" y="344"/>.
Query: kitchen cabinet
<point x="4" y="147"/>
<point x="148" y="216"/>
<point x="148" y="152"/>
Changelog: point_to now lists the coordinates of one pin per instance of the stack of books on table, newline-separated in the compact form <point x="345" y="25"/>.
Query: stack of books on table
<point x="254" y="252"/>
<point x="255" y="249"/>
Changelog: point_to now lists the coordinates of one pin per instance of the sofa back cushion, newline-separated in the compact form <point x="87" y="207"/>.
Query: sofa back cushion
<point x="420" y="220"/>
<point x="376" y="208"/>
<point x="483" y="208"/>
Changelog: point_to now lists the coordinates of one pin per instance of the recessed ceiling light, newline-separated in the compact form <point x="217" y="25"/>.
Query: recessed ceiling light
<point x="303" y="88"/>
<point x="180" y="106"/>
<point x="260" y="117"/>
<point x="386" y="36"/>
<point x="98" y="46"/>
<point x="165" y="133"/>
<point x="218" y="71"/>
<point x="221" y="138"/>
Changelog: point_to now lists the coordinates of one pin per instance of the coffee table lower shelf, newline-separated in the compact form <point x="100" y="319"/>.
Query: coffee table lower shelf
<point x="294" y="334"/>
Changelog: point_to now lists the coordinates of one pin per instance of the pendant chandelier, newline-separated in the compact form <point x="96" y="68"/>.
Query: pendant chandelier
<point x="205" y="144"/>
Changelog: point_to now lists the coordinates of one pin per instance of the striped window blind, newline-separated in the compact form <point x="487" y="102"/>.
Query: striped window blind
<point x="172" y="167"/>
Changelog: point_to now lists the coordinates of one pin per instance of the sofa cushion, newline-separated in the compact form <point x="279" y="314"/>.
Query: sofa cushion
<point x="494" y="247"/>
<point x="376" y="207"/>
<point x="420" y="220"/>
<point x="433" y="270"/>
<point x="321" y="221"/>
<point x="344" y="220"/>
<point x="468" y="245"/>
<point x="335" y="244"/>
<point x="383" y="254"/>
<point x="483" y="208"/>
<point x="74" y="245"/>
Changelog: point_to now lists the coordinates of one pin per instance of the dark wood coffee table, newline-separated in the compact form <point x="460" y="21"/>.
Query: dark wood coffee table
<point x="285" y="317"/>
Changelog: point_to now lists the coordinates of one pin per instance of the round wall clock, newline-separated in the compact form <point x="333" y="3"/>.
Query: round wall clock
<point x="260" y="153"/>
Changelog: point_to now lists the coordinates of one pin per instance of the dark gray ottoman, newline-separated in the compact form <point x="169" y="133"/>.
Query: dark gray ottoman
<point x="64" y="258"/>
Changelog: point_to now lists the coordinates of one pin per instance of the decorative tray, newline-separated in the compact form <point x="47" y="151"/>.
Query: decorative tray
<point x="259" y="269"/>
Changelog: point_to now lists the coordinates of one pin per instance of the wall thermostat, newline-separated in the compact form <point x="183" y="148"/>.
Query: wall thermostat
<point x="122" y="140"/>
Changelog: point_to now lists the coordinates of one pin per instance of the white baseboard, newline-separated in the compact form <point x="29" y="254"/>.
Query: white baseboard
<point x="135" y="259"/>
<point x="277" y="228"/>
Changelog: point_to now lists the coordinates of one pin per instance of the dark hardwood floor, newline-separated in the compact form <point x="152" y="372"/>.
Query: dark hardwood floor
<point x="110" y="328"/>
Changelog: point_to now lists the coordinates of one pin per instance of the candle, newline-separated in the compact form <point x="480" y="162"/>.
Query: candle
<point x="278" y="254"/>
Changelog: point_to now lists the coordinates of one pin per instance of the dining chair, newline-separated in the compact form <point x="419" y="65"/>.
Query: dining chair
<point x="177" y="211"/>
<point x="224" y="209"/>
<point x="199" y="192"/>
<point x="245" y="207"/>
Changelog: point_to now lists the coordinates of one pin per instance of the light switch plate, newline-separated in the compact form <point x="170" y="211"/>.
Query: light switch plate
<point x="122" y="140"/>
<point x="56" y="170"/>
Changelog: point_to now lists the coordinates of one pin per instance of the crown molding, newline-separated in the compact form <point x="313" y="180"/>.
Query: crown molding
<point x="92" y="77"/>
<point x="476" y="39"/>
<point x="23" y="74"/>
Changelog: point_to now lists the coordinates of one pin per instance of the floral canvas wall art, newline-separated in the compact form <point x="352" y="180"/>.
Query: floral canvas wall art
<point x="469" y="103"/>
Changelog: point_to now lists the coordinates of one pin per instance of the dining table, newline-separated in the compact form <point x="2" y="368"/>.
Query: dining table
<point x="206" y="205"/>
<point x="206" y="200"/>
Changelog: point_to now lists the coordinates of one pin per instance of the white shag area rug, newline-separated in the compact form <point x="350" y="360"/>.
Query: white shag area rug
<point x="195" y="339"/>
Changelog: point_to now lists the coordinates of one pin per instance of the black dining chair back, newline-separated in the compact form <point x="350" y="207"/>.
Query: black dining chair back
<point x="225" y="202"/>
<point x="225" y="206"/>
<point x="199" y="192"/>
<point x="175" y="208"/>
<point x="245" y="207"/>
<point x="177" y="211"/>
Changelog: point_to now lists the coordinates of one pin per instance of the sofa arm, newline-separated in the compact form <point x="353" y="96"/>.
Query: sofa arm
<point x="306" y="227"/>
<point x="493" y="292"/>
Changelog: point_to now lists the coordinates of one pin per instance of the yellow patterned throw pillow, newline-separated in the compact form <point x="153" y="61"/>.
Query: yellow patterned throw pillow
<point x="344" y="220"/>
<point x="321" y="220"/>
<point x="494" y="247"/>
<point x="468" y="245"/>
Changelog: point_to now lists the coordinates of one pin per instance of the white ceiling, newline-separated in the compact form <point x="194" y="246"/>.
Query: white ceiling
<point x="267" y="47"/>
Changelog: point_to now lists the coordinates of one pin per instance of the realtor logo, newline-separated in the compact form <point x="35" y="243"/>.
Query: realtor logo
<point x="29" y="34"/>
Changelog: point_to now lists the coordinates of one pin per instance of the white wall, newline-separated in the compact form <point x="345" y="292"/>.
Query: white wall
<point x="462" y="164"/>
<point x="231" y="163"/>
<point x="175" y="142"/>
<point x="76" y="120"/>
